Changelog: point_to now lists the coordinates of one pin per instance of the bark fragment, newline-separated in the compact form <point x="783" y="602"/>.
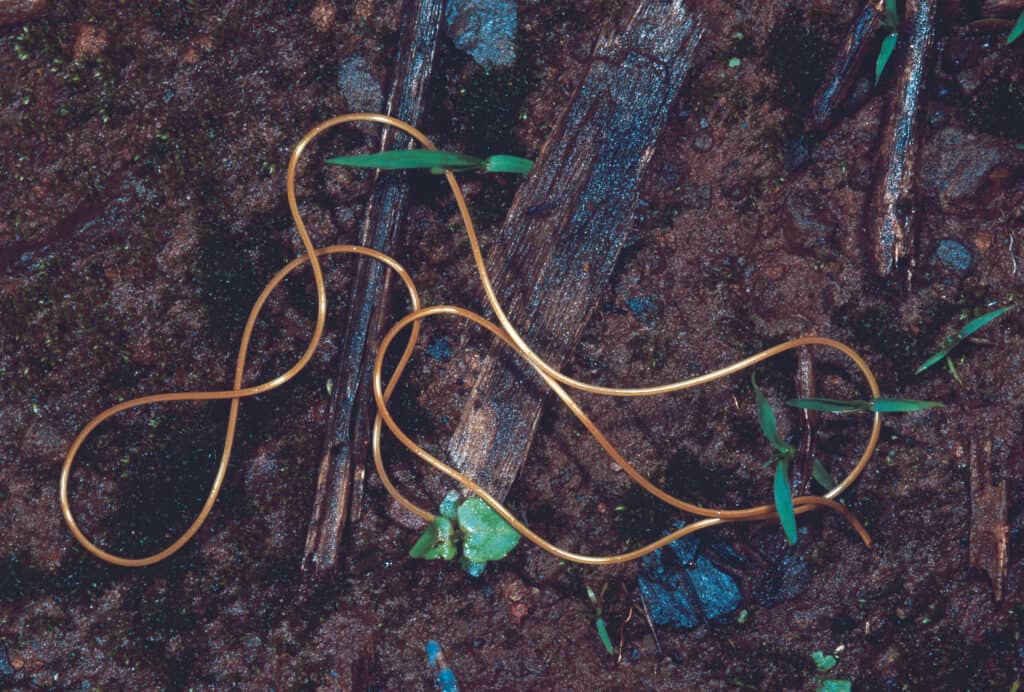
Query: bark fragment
<point x="891" y="213"/>
<point x="559" y="243"/>
<point x="346" y="440"/>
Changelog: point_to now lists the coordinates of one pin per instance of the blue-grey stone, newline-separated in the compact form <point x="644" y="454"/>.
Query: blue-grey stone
<point x="682" y="587"/>
<point x="954" y="255"/>
<point x="361" y="90"/>
<point x="486" y="29"/>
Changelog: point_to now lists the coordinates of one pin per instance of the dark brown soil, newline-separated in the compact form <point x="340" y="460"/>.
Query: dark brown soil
<point x="142" y="153"/>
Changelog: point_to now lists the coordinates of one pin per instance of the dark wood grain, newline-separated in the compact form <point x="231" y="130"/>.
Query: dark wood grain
<point x="345" y="443"/>
<point x="892" y="209"/>
<point x="557" y="247"/>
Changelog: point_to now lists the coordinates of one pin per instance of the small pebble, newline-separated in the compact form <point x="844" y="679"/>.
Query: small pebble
<point x="954" y="255"/>
<point x="703" y="141"/>
<point x="486" y="29"/>
<point x="90" y="42"/>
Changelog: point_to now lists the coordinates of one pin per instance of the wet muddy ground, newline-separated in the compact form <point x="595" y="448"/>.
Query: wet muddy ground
<point x="142" y="153"/>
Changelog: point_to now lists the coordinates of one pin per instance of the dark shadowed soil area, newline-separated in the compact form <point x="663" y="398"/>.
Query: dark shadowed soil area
<point x="143" y="149"/>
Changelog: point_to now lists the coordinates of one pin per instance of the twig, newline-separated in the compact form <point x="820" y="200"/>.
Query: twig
<point x="650" y="623"/>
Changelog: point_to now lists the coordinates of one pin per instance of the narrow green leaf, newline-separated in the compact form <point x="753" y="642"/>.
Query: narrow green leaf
<point x="602" y="632"/>
<point x="968" y="329"/>
<point x="503" y="163"/>
<point x="425" y="542"/>
<point x="822" y="475"/>
<point x="410" y="158"/>
<point x="766" y="417"/>
<point x="892" y="14"/>
<point x="953" y="371"/>
<point x="902" y="405"/>
<point x="884" y="53"/>
<point x="831" y="405"/>
<point x="784" y="501"/>
<point x="1017" y="30"/>
<point x="979" y="322"/>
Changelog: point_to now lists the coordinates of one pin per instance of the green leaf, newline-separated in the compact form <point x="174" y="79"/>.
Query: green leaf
<point x="602" y="632"/>
<point x="831" y="405"/>
<point x="1017" y="30"/>
<point x="892" y="14"/>
<point x="449" y="505"/>
<point x="410" y="158"/>
<point x="884" y="53"/>
<point x="822" y="475"/>
<point x="968" y="329"/>
<point x="432" y="543"/>
<point x="835" y="686"/>
<point x="766" y="417"/>
<point x="784" y="501"/>
<point x="902" y="405"/>
<point x="502" y="163"/>
<point x="473" y="569"/>
<point x="823" y="661"/>
<point x="485" y="535"/>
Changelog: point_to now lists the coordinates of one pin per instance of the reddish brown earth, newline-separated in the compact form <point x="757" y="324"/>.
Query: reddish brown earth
<point x="142" y="153"/>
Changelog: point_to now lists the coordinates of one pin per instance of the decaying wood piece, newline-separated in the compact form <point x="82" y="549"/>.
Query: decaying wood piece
<point x="891" y="212"/>
<point x="845" y="68"/>
<point x="991" y="454"/>
<point x="806" y="388"/>
<point x="1002" y="8"/>
<point x="558" y="245"/>
<point x="345" y="443"/>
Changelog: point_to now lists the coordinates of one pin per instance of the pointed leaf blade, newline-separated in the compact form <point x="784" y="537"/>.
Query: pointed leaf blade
<point x="503" y="163"/>
<point x="401" y="159"/>
<point x="979" y="322"/>
<point x="822" y="475"/>
<point x="902" y="405"/>
<point x="884" y="53"/>
<point x="784" y="501"/>
<point x="830" y="405"/>
<point x="1017" y="30"/>
<point x="766" y="417"/>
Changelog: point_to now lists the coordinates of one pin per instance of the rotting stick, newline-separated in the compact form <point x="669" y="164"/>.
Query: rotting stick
<point x="989" y="456"/>
<point x="559" y="243"/>
<point x="806" y="389"/>
<point x="842" y="74"/>
<point x="346" y="433"/>
<point x="891" y="212"/>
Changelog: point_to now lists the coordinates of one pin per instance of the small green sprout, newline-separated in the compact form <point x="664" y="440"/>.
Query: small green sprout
<point x="954" y="341"/>
<point x="1017" y="29"/>
<point x="435" y="161"/>
<point x="892" y="24"/>
<point x="824" y="662"/>
<point x="602" y="628"/>
<point x="482" y="533"/>
<point x="822" y="475"/>
<point x="784" y="454"/>
<point x="835" y="686"/>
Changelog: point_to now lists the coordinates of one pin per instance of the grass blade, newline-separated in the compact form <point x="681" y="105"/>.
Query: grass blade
<point x="1017" y="30"/>
<point x="831" y="405"/>
<point x="884" y="53"/>
<point x="821" y="474"/>
<point x="412" y="158"/>
<point x="502" y="163"/>
<point x="766" y="417"/>
<point x="784" y="501"/>
<point x="602" y="632"/>
<point x="892" y="15"/>
<point x="968" y="329"/>
<point x="902" y="405"/>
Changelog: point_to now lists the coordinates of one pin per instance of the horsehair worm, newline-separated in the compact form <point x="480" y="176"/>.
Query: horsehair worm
<point x="503" y="330"/>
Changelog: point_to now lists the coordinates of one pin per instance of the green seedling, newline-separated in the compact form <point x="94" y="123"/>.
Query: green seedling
<point x="824" y="662"/>
<point x="435" y="161"/>
<point x="1017" y="30"/>
<point x="480" y="531"/>
<point x="835" y="686"/>
<point x="955" y="340"/>
<point x="783" y="455"/>
<point x="872" y="405"/>
<point x="892" y="25"/>
<point x="602" y="628"/>
<point x="822" y="475"/>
